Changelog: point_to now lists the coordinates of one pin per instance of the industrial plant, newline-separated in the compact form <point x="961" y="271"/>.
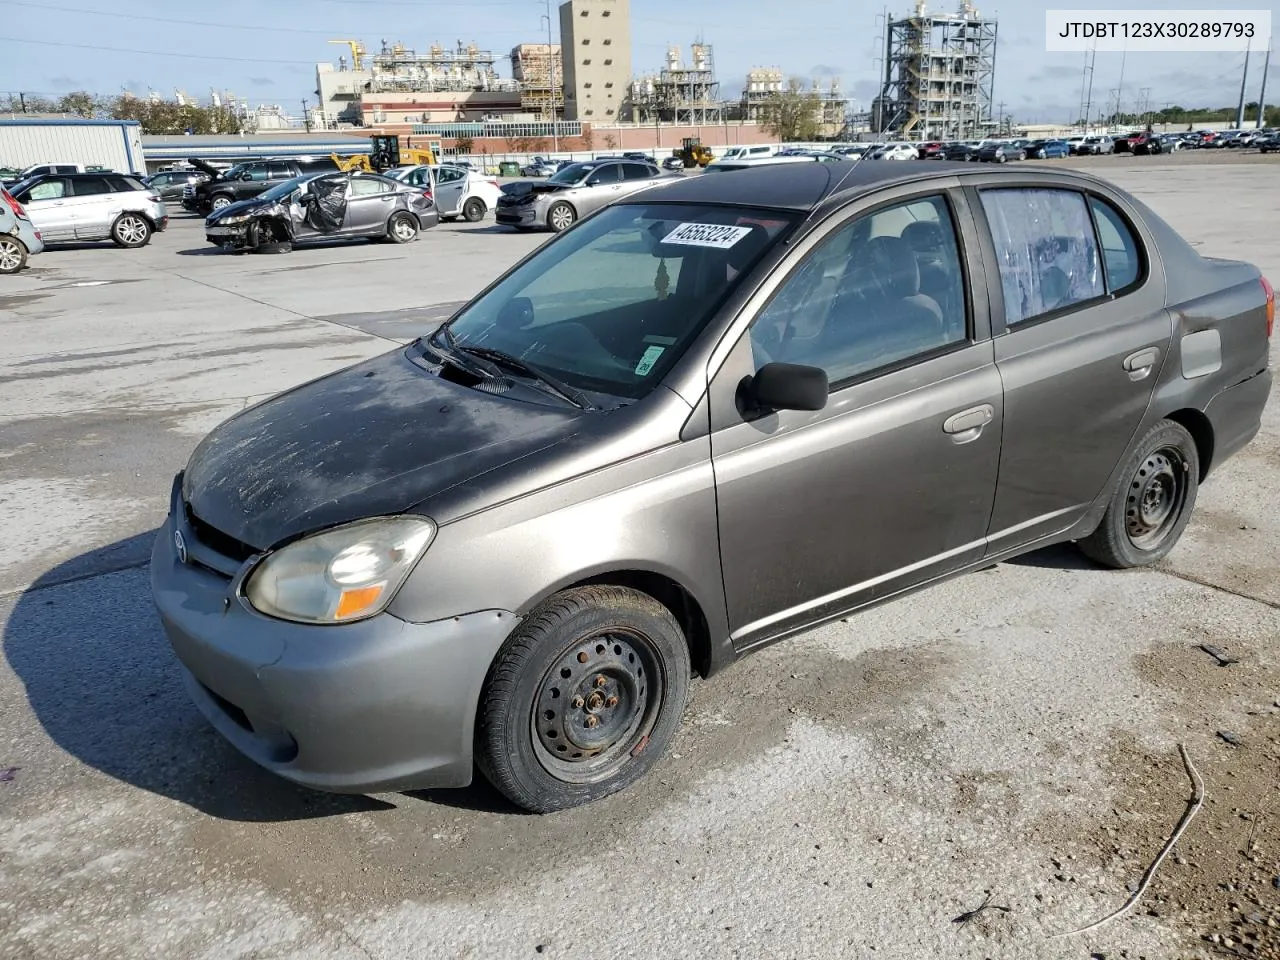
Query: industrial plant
<point x="939" y="69"/>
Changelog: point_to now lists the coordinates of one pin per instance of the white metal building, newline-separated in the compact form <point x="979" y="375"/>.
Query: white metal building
<point x="115" y="144"/>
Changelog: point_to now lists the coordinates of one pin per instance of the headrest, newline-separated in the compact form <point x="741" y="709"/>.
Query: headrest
<point x="923" y="236"/>
<point x="884" y="266"/>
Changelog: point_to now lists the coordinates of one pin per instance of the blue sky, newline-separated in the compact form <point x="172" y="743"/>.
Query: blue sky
<point x="268" y="48"/>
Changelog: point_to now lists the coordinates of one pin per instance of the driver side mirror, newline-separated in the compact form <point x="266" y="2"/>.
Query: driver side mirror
<point x="785" y="386"/>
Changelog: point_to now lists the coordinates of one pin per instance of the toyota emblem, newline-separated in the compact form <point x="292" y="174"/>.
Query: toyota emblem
<point x="180" y="544"/>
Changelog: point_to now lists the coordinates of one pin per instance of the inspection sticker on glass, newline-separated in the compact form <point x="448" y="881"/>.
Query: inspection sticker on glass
<point x="650" y="357"/>
<point x="716" y="235"/>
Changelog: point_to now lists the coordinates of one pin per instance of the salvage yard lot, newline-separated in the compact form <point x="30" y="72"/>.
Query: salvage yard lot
<point x="848" y="793"/>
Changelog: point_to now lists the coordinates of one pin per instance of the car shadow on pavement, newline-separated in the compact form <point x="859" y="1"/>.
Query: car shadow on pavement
<point x="102" y="681"/>
<point x="1060" y="556"/>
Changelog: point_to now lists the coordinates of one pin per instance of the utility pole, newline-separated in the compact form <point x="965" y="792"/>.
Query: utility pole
<point x="22" y="100"/>
<point x="1262" y="97"/>
<point x="306" y="116"/>
<point x="1124" y="55"/>
<point x="551" y="69"/>
<point x="1146" y="107"/>
<point x="1088" y="100"/>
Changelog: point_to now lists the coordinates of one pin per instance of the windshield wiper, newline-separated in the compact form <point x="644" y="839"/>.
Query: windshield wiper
<point x="512" y="362"/>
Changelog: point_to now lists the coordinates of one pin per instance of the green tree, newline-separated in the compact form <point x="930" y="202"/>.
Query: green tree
<point x="793" y="113"/>
<point x="26" y="103"/>
<point x="81" y="103"/>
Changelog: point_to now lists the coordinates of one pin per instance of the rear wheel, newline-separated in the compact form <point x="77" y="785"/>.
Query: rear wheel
<point x="131" y="230"/>
<point x="402" y="228"/>
<point x="1153" y="504"/>
<point x="583" y="699"/>
<point x="13" y="254"/>
<point x="473" y="210"/>
<point x="561" y="216"/>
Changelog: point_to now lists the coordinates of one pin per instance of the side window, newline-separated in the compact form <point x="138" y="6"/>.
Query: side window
<point x="1120" y="254"/>
<point x="606" y="173"/>
<point x="48" y="190"/>
<point x="91" y="186"/>
<point x="635" y="171"/>
<point x="127" y="184"/>
<point x="64" y="168"/>
<point x="280" y="171"/>
<point x="885" y="288"/>
<point x="256" y="171"/>
<point x="450" y="175"/>
<point x="365" y="187"/>
<point x="1046" y="250"/>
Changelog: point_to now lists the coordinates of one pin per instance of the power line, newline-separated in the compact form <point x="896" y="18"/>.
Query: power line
<point x="150" y="19"/>
<point x="154" y="53"/>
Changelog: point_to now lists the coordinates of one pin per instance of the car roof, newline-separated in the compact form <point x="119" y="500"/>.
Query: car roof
<point x="804" y="186"/>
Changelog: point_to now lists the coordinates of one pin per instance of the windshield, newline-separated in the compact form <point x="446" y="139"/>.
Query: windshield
<point x="284" y="188"/>
<point x="610" y="306"/>
<point x="572" y="173"/>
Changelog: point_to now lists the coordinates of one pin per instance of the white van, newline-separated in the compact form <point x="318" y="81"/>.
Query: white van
<point x="744" y="153"/>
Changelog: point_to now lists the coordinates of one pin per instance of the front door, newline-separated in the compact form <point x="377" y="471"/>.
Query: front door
<point x="892" y="483"/>
<point x="1080" y="342"/>
<point x="450" y="190"/>
<point x="370" y="203"/>
<point x="51" y="206"/>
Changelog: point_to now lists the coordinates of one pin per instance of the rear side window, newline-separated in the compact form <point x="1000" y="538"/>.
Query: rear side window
<point x="126" y="184"/>
<point x="256" y="171"/>
<point x="1120" y="253"/>
<point x="1046" y="251"/>
<point x="450" y="174"/>
<point x="316" y="166"/>
<point x="636" y="171"/>
<point x="92" y="186"/>
<point x="281" y="171"/>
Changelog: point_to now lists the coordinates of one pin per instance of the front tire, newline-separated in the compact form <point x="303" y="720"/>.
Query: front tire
<point x="582" y="699"/>
<point x="473" y="210"/>
<point x="561" y="216"/>
<point x="13" y="254"/>
<point x="1152" y="506"/>
<point x="220" y="201"/>
<point x="402" y="228"/>
<point x="131" y="230"/>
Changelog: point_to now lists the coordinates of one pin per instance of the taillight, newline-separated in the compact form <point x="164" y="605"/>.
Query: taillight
<point x="14" y="205"/>
<point x="1271" y="306"/>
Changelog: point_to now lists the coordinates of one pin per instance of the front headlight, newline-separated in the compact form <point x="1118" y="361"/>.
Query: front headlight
<point x="348" y="573"/>
<point x="228" y="221"/>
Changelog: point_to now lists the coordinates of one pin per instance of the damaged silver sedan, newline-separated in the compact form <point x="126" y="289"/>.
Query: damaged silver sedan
<point x="334" y="206"/>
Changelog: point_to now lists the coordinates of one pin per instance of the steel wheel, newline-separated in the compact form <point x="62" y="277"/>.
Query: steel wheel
<point x="13" y="255"/>
<point x="1157" y="493"/>
<point x="595" y="706"/>
<point x="473" y="210"/>
<point x="131" y="230"/>
<point x="561" y="217"/>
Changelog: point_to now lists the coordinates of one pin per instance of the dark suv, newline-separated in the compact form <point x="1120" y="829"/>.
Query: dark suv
<point x="246" y="180"/>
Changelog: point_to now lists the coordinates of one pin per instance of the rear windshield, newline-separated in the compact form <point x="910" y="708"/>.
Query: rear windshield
<point x="613" y="304"/>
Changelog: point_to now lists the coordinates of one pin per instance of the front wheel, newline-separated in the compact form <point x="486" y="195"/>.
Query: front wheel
<point x="13" y="254"/>
<point x="561" y="216"/>
<point x="1153" y="504"/>
<point x="582" y="699"/>
<point x="402" y="228"/>
<point x="220" y="201"/>
<point x="473" y="210"/>
<point x="131" y="230"/>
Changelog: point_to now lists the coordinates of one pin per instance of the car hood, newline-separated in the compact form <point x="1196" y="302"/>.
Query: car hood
<point x="240" y="208"/>
<point x="371" y="440"/>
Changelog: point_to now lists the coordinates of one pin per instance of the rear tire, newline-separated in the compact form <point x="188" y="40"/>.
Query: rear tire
<point x="473" y="210"/>
<point x="582" y="699"/>
<point x="1152" y="506"/>
<point x="131" y="230"/>
<point x="13" y="254"/>
<point x="402" y="228"/>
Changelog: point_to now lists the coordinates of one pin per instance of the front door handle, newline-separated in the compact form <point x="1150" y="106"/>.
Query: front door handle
<point x="1139" y="364"/>
<point x="967" y="424"/>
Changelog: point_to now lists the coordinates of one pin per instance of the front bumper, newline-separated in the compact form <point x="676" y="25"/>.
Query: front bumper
<point x="373" y="706"/>
<point x="524" y="215"/>
<point x="227" y="236"/>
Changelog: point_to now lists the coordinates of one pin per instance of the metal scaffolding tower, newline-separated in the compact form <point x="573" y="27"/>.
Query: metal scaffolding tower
<point x="939" y="75"/>
<point x="680" y="94"/>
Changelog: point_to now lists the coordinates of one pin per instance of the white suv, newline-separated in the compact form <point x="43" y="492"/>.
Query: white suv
<point x="92" y="206"/>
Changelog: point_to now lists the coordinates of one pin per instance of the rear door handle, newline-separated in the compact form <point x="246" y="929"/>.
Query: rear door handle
<point x="1139" y="364"/>
<point x="967" y="424"/>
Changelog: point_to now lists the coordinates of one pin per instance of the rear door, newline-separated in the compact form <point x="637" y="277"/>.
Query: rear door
<point x="1081" y="334"/>
<point x="94" y="207"/>
<point x="370" y="203"/>
<point x="450" y="190"/>
<point x="637" y="176"/>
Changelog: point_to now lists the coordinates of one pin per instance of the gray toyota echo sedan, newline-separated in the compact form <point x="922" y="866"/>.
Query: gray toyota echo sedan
<point x="704" y="419"/>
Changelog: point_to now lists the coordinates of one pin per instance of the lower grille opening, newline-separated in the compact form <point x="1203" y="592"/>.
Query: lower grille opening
<point x="279" y="743"/>
<point x="216" y="540"/>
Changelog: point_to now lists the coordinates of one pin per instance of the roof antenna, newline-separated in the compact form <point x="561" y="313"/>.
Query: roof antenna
<point x="839" y="184"/>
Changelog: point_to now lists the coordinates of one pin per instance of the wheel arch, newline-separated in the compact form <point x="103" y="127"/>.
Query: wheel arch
<point x="577" y="215"/>
<point x="678" y="599"/>
<point x="1201" y="430"/>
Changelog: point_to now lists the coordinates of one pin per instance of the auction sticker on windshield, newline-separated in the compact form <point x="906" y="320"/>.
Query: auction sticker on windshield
<point x="706" y="235"/>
